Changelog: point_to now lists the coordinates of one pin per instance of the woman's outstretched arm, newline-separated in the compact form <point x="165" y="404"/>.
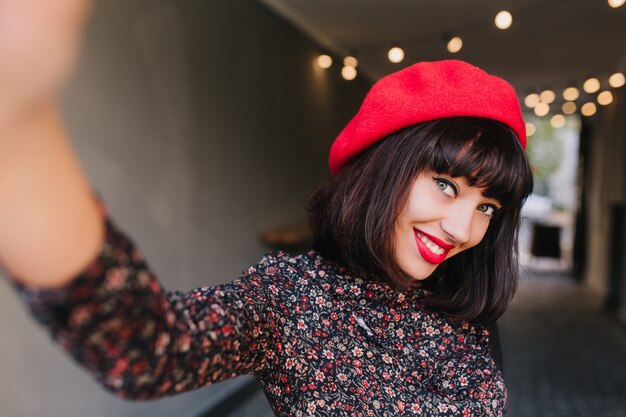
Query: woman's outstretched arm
<point x="90" y="286"/>
<point x="141" y="342"/>
<point x="50" y="226"/>
<point x="81" y="277"/>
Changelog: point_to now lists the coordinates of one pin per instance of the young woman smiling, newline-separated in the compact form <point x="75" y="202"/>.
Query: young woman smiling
<point x="414" y="249"/>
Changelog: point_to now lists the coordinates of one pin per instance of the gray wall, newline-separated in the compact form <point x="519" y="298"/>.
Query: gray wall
<point x="201" y="123"/>
<point x="606" y="185"/>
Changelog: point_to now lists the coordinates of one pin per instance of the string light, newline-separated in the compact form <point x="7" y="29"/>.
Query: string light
<point x="616" y="3"/>
<point x="557" y="121"/>
<point x="588" y="109"/>
<point x="591" y="85"/>
<point x="547" y="96"/>
<point x="531" y="100"/>
<point x="569" y="107"/>
<point x="539" y="102"/>
<point x="324" y="61"/>
<point x="503" y="20"/>
<point x="571" y="93"/>
<point x="617" y="80"/>
<point x="542" y="109"/>
<point x="395" y="54"/>
<point x="455" y="44"/>
<point x="605" y="98"/>
<point x="350" y="61"/>
<point x="348" y="73"/>
<point x="530" y="129"/>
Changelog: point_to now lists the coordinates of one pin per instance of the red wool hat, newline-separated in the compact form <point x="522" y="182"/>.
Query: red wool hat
<point x="424" y="92"/>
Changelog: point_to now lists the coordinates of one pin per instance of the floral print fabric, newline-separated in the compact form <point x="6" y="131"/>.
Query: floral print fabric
<point x="321" y="341"/>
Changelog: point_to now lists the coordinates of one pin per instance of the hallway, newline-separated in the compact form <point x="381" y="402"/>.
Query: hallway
<point x="563" y="356"/>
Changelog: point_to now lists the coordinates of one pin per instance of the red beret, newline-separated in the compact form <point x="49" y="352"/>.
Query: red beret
<point x="423" y="92"/>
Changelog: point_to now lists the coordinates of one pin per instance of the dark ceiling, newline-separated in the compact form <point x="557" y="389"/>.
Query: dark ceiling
<point x="551" y="42"/>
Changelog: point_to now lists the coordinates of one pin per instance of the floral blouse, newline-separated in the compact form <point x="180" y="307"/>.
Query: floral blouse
<point x="321" y="341"/>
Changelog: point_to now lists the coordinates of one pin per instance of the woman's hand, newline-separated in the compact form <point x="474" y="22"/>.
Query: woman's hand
<point x="39" y="40"/>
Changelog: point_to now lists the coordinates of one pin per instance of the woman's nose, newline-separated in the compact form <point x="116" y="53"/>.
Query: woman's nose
<point x="457" y="224"/>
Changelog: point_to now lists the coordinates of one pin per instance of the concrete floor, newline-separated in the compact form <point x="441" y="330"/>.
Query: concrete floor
<point x="563" y="356"/>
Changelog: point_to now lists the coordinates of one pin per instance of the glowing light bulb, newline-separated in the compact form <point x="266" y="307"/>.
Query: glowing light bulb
<point x="350" y="61"/>
<point x="348" y="73"/>
<point x="530" y="129"/>
<point x="557" y="121"/>
<point x="571" y="93"/>
<point x="569" y="107"/>
<point x="605" y="98"/>
<point x="617" y="80"/>
<point x="324" y="61"/>
<point x="591" y="85"/>
<point x="542" y="109"/>
<point x="531" y="100"/>
<point x="588" y="109"/>
<point x="503" y="20"/>
<point x="547" y="96"/>
<point x="395" y="54"/>
<point x="616" y="3"/>
<point x="455" y="44"/>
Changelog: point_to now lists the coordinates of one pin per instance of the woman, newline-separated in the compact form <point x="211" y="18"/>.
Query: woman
<point x="415" y="242"/>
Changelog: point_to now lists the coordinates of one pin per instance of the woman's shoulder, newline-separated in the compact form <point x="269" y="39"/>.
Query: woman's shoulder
<point x="288" y="266"/>
<point x="275" y="263"/>
<point x="281" y="273"/>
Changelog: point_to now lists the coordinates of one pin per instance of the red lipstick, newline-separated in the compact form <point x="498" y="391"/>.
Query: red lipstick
<point x="434" y="255"/>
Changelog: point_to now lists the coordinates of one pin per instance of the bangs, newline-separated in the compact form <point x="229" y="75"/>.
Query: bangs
<point x="488" y="154"/>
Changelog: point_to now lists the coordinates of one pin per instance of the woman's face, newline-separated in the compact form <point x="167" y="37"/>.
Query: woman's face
<point x="442" y="217"/>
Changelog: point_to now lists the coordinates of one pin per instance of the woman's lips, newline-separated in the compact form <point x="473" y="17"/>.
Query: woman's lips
<point x="432" y="249"/>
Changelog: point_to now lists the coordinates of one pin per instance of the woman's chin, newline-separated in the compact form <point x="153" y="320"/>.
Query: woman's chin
<point x="420" y="270"/>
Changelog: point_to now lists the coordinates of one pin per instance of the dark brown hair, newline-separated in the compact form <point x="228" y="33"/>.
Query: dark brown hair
<point x="353" y="214"/>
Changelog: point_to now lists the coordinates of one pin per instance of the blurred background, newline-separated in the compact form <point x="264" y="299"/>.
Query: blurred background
<point x="205" y="126"/>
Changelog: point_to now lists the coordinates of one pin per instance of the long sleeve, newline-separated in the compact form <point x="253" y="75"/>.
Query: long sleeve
<point x="141" y="342"/>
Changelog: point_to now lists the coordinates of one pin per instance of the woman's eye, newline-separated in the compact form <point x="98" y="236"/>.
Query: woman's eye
<point x="446" y="187"/>
<point x="487" y="209"/>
